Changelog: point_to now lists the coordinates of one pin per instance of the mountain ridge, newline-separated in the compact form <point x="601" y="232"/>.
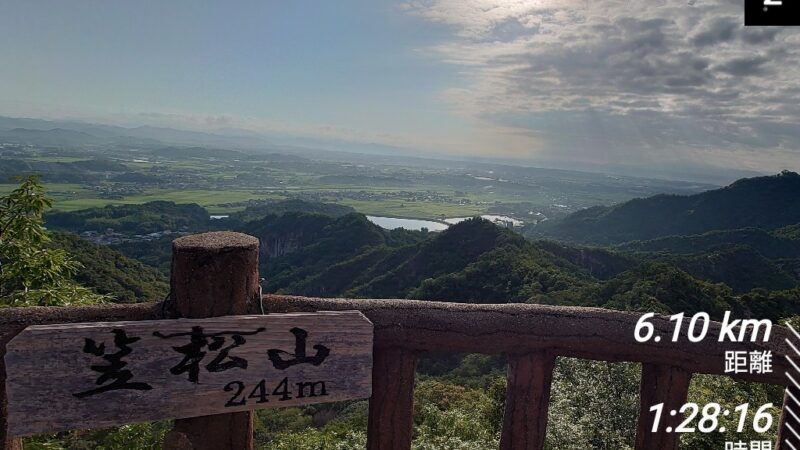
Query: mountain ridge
<point x="768" y="202"/>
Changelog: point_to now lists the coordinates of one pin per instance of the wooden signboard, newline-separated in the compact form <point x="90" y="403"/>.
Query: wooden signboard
<point x="92" y="375"/>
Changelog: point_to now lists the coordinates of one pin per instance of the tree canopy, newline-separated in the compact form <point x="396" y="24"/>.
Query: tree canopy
<point x="31" y="272"/>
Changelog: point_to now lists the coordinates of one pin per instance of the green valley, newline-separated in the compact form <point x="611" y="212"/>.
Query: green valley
<point x="331" y="250"/>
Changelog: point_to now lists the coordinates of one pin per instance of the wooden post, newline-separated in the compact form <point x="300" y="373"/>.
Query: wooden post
<point x="214" y="274"/>
<point x="527" y="399"/>
<point x="6" y="442"/>
<point x="789" y="426"/>
<point x="661" y="384"/>
<point x="391" y="407"/>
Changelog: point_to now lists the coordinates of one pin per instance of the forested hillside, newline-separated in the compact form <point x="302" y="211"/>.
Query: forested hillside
<point x="258" y="210"/>
<point x="772" y="244"/>
<point x="133" y="219"/>
<point x="310" y="248"/>
<point x="745" y="235"/>
<point x="89" y="170"/>
<point x="473" y="261"/>
<point x="763" y="202"/>
<point x="305" y="251"/>
<point x="476" y="261"/>
<point x="107" y="271"/>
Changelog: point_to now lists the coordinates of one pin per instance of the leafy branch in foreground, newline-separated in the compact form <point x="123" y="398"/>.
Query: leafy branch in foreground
<point x="31" y="273"/>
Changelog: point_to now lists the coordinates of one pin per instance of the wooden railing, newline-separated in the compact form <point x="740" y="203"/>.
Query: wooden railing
<point x="531" y="335"/>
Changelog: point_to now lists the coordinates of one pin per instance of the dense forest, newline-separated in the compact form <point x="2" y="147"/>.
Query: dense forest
<point x="110" y="272"/>
<point x="735" y="249"/>
<point x="767" y="203"/>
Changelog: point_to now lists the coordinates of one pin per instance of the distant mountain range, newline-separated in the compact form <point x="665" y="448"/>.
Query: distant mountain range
<point x="746" y="235"/>
<point x="67" y="133"/>
<point x="763" y="202"/>
<point x="72" y="133"/>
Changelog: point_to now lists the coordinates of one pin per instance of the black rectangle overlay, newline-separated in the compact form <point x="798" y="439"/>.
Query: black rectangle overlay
<point x="769" y="13"/>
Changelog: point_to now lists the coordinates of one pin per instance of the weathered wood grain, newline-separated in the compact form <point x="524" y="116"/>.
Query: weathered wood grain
<point x="14" y="320"/>
<point x="422" y="326"/>
<point x="391" y="408"/>
<point x="580" y="332"/>
<point x="213" y="274"/>
<point x="49" y="369"/>
<point x="527" y="400"/>
<point x="660" y="384"/>
<point x="7" y="442"/>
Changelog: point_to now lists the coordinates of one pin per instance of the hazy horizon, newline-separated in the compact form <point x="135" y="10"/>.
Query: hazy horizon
<point x="671" y="88"/>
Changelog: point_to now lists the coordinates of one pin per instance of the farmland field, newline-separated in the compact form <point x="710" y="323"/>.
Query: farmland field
<point x="224" y="182"/>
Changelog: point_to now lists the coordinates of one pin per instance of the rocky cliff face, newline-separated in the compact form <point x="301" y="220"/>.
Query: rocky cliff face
<point x="285" y="234"/>
<point x="275" y="245"/>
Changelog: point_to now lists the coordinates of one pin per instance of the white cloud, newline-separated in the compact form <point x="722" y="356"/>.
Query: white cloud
<point x="645" y="81"/>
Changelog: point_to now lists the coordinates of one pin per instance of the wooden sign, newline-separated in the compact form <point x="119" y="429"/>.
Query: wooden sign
<point x="92" y="375"/>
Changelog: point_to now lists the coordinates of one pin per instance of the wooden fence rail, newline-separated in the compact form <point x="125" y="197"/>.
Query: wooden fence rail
<point x="216" y="274"/>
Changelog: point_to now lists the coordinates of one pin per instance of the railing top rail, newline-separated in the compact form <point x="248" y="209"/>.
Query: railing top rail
<point x="591" y="333"/>
<point x="40" y="315"/>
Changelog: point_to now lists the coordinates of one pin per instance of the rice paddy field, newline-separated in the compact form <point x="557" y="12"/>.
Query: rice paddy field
<point x="80" y="179"/>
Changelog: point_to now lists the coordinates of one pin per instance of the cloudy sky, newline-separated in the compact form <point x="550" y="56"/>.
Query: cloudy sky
<point x="652" y="86"/>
